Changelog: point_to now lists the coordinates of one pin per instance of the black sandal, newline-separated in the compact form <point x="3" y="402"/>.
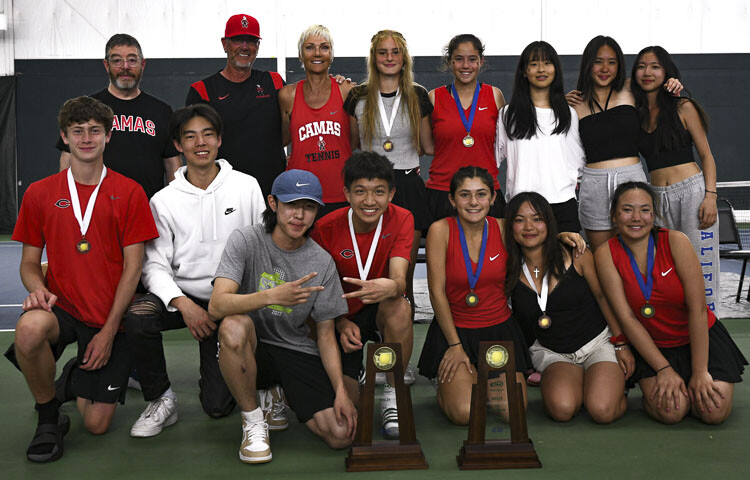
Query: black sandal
<point x="49" y="434"/>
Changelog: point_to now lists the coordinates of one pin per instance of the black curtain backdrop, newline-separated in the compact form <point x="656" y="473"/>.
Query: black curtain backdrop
<point x="717" y="81"/>
<point x="8" y="206"/>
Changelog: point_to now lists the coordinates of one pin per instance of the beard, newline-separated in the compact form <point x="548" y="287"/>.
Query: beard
<point x="125" y="83"/>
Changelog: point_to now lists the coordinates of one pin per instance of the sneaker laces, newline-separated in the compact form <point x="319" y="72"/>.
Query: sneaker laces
<point x="278" y="408"/>
<point x="255" y="431"/>
<point x="155" y="406"/>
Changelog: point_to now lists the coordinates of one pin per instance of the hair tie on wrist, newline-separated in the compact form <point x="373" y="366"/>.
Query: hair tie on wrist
<point x="664" y="367"/>
<point x="449" y="346"/>
<point x="712" y="191"/>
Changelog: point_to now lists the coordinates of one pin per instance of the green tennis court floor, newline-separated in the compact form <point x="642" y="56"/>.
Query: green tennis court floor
<point x="200" y="447"/>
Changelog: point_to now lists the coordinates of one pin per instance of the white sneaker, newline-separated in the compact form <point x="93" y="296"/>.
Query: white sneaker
<point x="409" y="375"/>
<point x="389" y="412"/>
<point x="158" y="414"/>
<point x="255" y="448"/>
<point x="380" y="378"/>
<point x="274" y="406"/>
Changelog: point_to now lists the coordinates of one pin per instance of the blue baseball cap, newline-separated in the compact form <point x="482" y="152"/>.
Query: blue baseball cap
<point x="297" y="184"/>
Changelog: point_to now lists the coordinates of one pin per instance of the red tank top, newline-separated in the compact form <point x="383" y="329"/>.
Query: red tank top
<point x="448" y="132"/>
<point x="669" y="326"/>
<point x="492" y="308"/>
<point x="320" y="141"/>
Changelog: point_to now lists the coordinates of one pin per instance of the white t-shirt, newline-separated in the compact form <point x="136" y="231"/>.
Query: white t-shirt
<point x="547" y="164"/>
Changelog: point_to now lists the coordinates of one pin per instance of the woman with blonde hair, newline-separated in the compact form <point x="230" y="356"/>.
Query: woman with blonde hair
<point x="313" y="117"/>
<point x="394" y="120"/>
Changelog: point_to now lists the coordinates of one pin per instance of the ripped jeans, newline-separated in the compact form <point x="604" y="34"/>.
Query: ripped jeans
<point x="144" y="321"/>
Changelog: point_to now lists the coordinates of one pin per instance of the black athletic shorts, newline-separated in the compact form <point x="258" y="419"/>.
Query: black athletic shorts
<point x="109" y="383"/>
<point x="412" y="195"/>
<point x="365" y="319"/>
<point x="566" y="214"/>
<point x="305" y="382"/>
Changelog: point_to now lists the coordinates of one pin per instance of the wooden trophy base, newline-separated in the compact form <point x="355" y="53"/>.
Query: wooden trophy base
<point x="497" y="454"/>
<point x="385" y="456"/>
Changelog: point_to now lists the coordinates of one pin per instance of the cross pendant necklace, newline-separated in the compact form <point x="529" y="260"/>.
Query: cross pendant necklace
<point x="536" y="272"/>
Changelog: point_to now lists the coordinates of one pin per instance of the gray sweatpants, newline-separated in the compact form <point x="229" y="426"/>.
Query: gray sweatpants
<point x="679" y="204"/>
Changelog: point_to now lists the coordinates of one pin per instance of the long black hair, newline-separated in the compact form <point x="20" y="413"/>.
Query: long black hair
<point x="585" y="82"/>
<point x="671" y="133"/>
<point x="553" y="258"/>
<point x="520" y="116"/>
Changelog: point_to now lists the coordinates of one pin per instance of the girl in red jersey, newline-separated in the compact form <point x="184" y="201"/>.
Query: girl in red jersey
<point x="463" y="124"/>
<point x="686" y="362"/>
<point x="557" y="298"/>
<point x="390" y="115"/>
<point x="466" y="276"/>
<point x="314" y="120"/>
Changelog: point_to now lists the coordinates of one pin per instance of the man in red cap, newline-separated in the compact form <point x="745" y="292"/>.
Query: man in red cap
<point x="247" y="100"/>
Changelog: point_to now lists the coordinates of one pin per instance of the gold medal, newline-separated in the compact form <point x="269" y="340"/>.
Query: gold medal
<point x="83" y="246"/>
<point x="647" y="310"/>
<point x="472" y="299"/>
<point x="545" y="321"/>
<point x="497" y="356"/>
<point x="468" y="141"/>
<point x="388" y="145"/>
<point x="384" y="358"/>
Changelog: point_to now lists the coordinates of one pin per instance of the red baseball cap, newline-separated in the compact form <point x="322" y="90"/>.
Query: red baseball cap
<point x="242" y="24"/>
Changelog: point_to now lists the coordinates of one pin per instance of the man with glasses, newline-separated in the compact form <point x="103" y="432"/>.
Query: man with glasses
<point x="140" y="147"/>
<point x="247" y="100"/>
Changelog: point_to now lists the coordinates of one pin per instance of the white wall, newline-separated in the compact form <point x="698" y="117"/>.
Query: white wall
<point x="60" y="29"/>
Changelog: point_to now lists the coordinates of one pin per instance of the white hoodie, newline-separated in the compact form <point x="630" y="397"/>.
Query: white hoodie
<point x="194" y="225"/>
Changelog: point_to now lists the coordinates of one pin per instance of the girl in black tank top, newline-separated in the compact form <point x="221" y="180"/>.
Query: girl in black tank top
<point x="569" y="316"/>
<point x="609" y="128"/>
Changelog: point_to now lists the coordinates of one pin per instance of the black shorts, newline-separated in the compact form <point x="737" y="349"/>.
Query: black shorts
<point x="725" y="360"/>
<point x="412" y="195"/>
<point x="302" y="376"/>
<point x="566" y="214"/>
<point x="440" y="206"/>
<point x="435" y="345"/>
<point x="351" y="363"/>
<point x="109" y="383"/>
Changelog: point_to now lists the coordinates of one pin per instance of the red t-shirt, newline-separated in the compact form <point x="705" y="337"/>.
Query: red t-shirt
<point x="448" y="132"/>
<point x="320" y="141"/>
<point x="669" y="325"/>
<point x="332" y="233"/>
<point x="492" y="308"/>
<point x="85" y="284"/>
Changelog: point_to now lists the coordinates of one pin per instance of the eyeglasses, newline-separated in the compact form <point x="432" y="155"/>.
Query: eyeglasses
<point x="119" y="61"/>
<point x="240" y="39"/>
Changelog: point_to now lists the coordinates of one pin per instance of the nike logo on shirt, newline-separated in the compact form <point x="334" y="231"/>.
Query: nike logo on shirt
<point x="664" y="274"/>
<point x="385" y="235"/>
<point x="482" y="108"/>
<point x="492" y="259"/>
<point x="334" y="112"/>
<point x="112" y="389"/>
<point x="407" y="172"/>
<point x="225" y="96"/>
<point x="229" y="210"/>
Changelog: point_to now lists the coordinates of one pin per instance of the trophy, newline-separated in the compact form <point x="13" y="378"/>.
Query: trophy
<point x="406" y="454"/>
<point x="477" y="453"/>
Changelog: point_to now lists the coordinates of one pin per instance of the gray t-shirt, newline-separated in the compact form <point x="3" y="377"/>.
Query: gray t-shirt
<point x="256" y="263"/>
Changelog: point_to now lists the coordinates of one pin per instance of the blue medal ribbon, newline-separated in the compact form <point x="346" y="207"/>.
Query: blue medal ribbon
<point x="648" y="285"/>
<point x="470" y="274"/>
<point x="467" y="123"/>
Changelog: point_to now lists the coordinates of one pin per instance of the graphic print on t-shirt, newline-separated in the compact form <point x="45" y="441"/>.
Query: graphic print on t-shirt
<point x="270" y="280"/>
